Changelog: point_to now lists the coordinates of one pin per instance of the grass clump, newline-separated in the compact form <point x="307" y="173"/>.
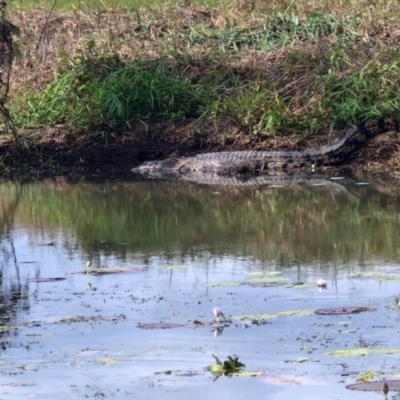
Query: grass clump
<point x="270" y="69"/>
<point x="105" y="91"/>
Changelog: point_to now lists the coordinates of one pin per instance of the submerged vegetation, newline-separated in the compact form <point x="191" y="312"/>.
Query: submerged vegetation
<point x="266" y="68"/>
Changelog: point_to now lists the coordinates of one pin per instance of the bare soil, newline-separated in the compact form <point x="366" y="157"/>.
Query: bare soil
<point x="54" y="149"/>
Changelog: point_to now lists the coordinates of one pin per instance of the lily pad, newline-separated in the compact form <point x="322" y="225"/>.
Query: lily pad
<point x="300" y="360"/>
<point x="223" y="284"/>
<point x="343" y="310"/>
<point x="389" y="279"/>
<point x="90" y="318"/>
<point x="108" y="361"/>
<point x="266" y="284"/>
<point x="377" y="386"/>
<point x="300" y="285"/>
<point x="159" y="325"/>
<point x="208" y="325"/>
<point x="292" y="313"/>
<point x="268" y="279"/>
<point x="357" y="352"/>
<point x="47" y="279"/>
<point x="111" y="271"/>
<point x="263" y="273"/>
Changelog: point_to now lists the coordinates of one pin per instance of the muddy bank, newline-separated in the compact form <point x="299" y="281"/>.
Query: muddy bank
<point x="54" y="149"/>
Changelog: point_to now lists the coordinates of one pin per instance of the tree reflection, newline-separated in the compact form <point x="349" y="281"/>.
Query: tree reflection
<point x="14" y="295"/>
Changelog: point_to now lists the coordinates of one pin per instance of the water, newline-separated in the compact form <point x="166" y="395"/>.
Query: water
<point x="176" y="250"/>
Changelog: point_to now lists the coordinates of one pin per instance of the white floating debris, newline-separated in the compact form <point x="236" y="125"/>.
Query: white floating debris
<point x="321" y="282"/>
<point x="362" y="183"/>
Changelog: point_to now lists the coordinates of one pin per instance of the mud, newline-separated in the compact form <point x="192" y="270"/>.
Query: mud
<point x="55" y="150"/>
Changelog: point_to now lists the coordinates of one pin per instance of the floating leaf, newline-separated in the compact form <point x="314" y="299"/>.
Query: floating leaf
<point x="111" y="271"/>
<point x="107" y="361"/>
<point x="223" y="284"/>
<point x="343" y="310"/>
<point x="263" y="273"/>
<point x="361" y="352"/>
<point x="249" y="373"/>
<point x="159" y="325"/>
<point x="293" y="313"/>
<point x="265" y="284"/>
<point x="377" y="386"/>
<point x="389" y="279"/>
<point x="367" y="376"/>
<point x="299" y="360"/>
<point x="267" y="279"/>
<point x="300" y="285"/>
<point x="220" y="325"/>
<point x="91" y="318"/>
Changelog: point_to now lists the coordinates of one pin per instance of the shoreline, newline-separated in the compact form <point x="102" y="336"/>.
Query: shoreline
<point x="121" y="86"/>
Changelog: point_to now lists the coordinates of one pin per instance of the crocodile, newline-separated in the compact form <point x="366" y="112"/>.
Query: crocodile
<point x="254" y="162"/>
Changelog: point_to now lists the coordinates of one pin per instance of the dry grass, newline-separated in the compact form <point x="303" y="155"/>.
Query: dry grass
<point x="151" y="33"/>
<point x="248" y="54"/>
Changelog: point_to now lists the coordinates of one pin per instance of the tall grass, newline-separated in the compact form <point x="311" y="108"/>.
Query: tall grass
<point x="86" y="96"/>
<point x="269" y="70"/>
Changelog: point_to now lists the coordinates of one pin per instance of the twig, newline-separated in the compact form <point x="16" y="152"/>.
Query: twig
<point x="45" y="25"/>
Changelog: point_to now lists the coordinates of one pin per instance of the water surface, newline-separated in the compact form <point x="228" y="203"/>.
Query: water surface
<point x="180" y="249"/>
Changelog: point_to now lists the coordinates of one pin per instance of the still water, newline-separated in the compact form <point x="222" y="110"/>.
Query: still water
<point x="168" y="252"/>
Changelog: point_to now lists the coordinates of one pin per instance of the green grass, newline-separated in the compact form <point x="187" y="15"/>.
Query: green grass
<point x="98" y="92"/>
<point x="271" y="71"/>
<point x="94" y="5"/>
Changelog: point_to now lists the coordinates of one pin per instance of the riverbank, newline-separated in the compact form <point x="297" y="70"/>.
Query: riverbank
<point x="123" y="86"/>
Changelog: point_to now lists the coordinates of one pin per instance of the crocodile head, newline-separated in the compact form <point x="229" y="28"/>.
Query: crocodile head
<point x="162" y="169"/>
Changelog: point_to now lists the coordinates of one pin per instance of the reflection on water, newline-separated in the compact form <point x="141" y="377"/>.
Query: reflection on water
<point x="161" y="244"/>
<point x="342" y="221"/>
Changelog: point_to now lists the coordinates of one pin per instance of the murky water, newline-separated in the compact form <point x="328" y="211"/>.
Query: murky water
<point x="168" y="253"/>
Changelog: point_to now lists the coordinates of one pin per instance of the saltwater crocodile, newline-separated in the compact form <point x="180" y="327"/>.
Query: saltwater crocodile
<point x="237" y="163"/>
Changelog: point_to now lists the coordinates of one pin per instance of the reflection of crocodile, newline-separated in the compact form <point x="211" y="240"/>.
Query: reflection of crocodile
<point x="255" y="162"/>
<point x="335" y="185"/>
